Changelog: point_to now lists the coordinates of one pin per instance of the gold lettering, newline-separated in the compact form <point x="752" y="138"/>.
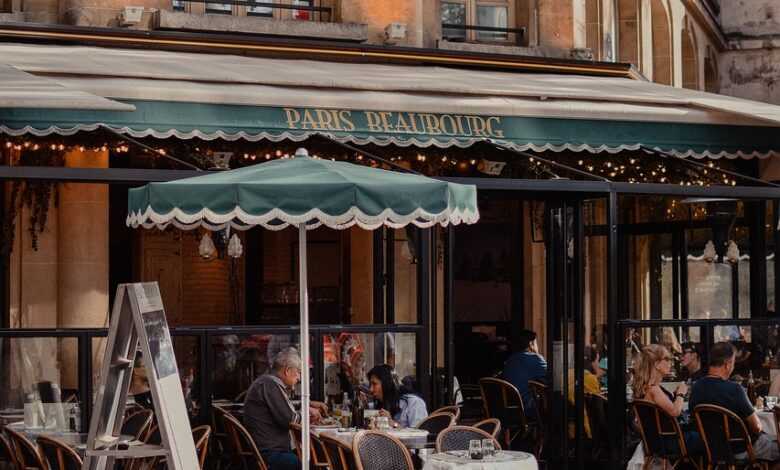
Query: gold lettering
<point x="401" y="125"/>
<point x="308" y="120"/>
<point x="413" y="119"/>
<point x="293" y="117"/>
<point x="385" y="116"/>
<point x="431" y="124"/>
<point x="325" y="120"/>
<point x="497" y="131"/>
<point x="451" y="120"/>
<point x="336" y="121"/>
<point x="346" y="116"/>
<point x="373" y="121"/>
<point x="477" y="126"/>
<point x="459" y="122"/>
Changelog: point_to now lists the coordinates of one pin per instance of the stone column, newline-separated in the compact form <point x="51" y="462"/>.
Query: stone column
<point x="83" y="256"/>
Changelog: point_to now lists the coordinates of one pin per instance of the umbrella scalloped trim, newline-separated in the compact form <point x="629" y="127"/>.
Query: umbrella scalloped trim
<point x="277" y="219"/>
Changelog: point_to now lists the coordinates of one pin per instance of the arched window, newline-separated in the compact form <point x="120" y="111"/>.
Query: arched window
<point x="629" y="31"/>
<point x="594" y="30"/>
<point x="711" y="72"/>
<point x="662" y="43"/>
<point x="690" y="60"/>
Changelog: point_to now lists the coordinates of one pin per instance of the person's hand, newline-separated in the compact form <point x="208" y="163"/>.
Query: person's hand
<point x="384" y="412"/>
<point x="682" y="389"/>
<point x="314" y="415"/>
<point x="321" y="407"/>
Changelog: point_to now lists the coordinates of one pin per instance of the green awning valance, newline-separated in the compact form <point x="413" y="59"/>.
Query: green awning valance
<point x="184" y="120"/>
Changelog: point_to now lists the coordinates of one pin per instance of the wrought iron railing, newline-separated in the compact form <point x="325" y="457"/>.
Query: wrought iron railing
<point x="304" y="12"/>
<point x="518" y="32"/>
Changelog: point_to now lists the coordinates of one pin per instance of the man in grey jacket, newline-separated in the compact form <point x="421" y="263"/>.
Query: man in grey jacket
<point x="268" y="411"/>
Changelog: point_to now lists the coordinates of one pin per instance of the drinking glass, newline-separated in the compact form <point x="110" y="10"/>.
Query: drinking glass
<point x="383" y="423"/>
<point x="488" y="449"/>
<point x="475" y="449"/>
<point x="771" y="402"/>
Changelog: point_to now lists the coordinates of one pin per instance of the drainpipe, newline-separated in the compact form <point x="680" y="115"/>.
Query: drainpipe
<point x="536" y="24"/>
<point x="615" y="30"/>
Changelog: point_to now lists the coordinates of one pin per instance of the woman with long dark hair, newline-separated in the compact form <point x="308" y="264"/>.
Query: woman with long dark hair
<point x="404" y="408"/>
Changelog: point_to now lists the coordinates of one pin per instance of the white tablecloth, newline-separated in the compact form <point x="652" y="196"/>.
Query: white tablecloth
<point x="505" y="460"/>
<point x="767" y="419"/>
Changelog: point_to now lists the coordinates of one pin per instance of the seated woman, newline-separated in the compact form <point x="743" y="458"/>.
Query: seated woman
<point x="653" y="363"/>
<point x="405" y="409"/>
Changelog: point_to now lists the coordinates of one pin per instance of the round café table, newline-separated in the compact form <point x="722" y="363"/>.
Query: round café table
<point x="767" y="419"/>
<point x="458" y="460"/>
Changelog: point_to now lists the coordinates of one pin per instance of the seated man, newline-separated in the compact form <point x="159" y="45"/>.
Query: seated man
<point x="691" y="361"/>
<point x="268" y="411"/>
<point x="523" y="366"/>
<point x="716" y="389"/>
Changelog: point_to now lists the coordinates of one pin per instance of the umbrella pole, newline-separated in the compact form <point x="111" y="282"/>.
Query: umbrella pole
<point x="304" y="340"/>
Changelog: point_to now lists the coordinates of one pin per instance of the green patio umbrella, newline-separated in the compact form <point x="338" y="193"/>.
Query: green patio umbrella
<point x="306" y="193"/>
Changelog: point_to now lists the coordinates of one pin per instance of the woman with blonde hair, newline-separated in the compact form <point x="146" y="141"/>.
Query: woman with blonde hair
<point x="651" y="365"/>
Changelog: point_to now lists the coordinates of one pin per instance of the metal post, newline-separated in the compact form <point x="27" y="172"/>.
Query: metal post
<point x="757" y="223"/>
<point x="84" y="346"/>
<point x="390" y="276"/>
<point x="449" y="333"/>
<point x="685" y="299"/>
<point x="578" y="289"/>
<point x="424" y="313"/>
<point x="776" y="260"/>
<point x="617" y="395"/>
<point x="303" y="286"/>
<point x="379" y="276"/>
<point x="435" y="386"/>
<point x="204" y="387"/>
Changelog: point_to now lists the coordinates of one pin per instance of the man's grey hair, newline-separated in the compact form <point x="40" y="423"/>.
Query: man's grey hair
<point x="287" y="358"/>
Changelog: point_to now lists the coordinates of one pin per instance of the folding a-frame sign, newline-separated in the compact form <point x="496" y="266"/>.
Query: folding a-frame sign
<point x="138" y="318"/>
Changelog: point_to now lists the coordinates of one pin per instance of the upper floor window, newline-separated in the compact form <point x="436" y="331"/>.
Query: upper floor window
<point x="275" y="9"/>
<point x="477" y="20"/>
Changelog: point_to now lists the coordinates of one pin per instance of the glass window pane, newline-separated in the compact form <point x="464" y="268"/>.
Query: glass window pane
<point x="710" y="289"/>
<point x="453" y="14"/>
<point x="406" y="275"/>
<point x="178" y="5"/>
<point x="304" y="15"/>
<point x="494" y="17"/>
<point x="219" y="8"/>
<point x="349" y="357"/>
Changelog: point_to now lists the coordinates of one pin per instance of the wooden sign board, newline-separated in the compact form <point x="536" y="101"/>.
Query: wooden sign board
<point x="138" y="319"/>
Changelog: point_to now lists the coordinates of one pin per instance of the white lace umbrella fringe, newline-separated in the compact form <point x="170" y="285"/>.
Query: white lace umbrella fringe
<point x="277" y="219"/>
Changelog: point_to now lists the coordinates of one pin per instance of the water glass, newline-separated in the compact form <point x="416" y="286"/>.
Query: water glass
<point x="771" y="402"/>
<point x="475" y="449"/>
<point x="488" y="449"/>
<point x="383" y="423"/>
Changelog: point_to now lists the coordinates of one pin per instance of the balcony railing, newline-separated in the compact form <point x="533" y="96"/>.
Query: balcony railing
<point x="447" y="28"/>
<point x="301" y="12"/>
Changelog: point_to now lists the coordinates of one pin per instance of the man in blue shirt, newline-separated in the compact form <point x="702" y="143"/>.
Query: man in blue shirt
<point x="523" y="366"/>
<point x="716" y="389"/>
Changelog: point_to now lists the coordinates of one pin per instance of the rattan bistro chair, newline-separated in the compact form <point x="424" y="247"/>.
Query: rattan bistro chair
<point x="7" y="454"/>
<point x="452" y="409"/>
<point x="491" y="426"/>
<point x="318" y="458"/>
<point x="725" y="436"/>
<point x="28" y="457"/>
<point x="662" y="438"/>
<point x="138" y="424"/>
<point x="245" y="451"/>
<point x="59" y="455"/>
<point x="458" y="437"/>
<point x="437" y="423"/>
<point x="502" y="401"/>
<point x="375" y="450"/>
<point x="340" y="455"/>
<point x="201" y="435"/>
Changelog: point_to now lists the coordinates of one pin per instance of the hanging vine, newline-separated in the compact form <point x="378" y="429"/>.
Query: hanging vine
<point x="37" y="196"/>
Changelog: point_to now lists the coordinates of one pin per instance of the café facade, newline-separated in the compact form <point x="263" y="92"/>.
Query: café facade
<point x="614" y="212"/>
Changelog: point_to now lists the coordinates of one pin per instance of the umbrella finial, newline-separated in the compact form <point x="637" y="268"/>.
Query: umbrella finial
<point x="301" y="152"/>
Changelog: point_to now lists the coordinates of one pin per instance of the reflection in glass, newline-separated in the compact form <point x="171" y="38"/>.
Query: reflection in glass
<point x="492" y="16"/>
<point x="453" y="13"/>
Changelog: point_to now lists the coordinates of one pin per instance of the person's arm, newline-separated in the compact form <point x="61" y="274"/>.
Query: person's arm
<point x="415" y="412"/>
<point x="278" y="405"/>
<point x="753" y="423"/>
<point x="672" y="408"/>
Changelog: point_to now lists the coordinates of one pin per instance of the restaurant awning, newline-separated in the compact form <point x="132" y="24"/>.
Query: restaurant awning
<point x="19" y="89"/>
<point x="212" y="96"/>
